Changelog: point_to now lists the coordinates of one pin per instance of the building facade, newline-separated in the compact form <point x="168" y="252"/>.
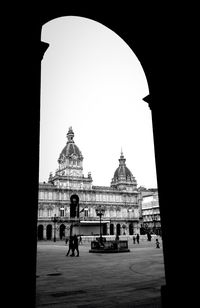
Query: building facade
<point x="151" y="221"/>
<point x="120" y="201"/>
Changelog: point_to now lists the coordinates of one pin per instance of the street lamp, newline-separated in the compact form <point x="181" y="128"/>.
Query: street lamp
<point x="54" y="220"/>
<point x="100" y="212"/>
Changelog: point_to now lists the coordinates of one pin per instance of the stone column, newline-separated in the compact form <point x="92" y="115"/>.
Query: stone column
<point x="115" y="228"/>
<point x="57" y="231"/>
<point x="136" y="228"/>
<point x="67" y="230"/>
<point x="108" y="228"/>
<point x="127" y="230"/>
<point x="45" y="232"/>
<point x="122" y="230"/>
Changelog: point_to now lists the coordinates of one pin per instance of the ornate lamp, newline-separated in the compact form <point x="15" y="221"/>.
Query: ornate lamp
<point x="100" y="212"/>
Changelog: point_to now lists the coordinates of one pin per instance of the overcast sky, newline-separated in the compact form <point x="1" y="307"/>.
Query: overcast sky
<point x="92" y="80"/>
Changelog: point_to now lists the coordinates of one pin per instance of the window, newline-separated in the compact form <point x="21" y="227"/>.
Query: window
<point x="49" y="212"/>
<point x="40" y="212"/>
<point x="86" y="212"/>
<point x="62" y="212"/>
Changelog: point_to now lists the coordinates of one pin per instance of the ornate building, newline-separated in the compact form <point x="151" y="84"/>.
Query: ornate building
<point x="121" y="201"/>
<point x="151" y="221"/>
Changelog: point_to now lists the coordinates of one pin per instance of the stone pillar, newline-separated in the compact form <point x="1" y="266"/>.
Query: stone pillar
<point x="136" y="228"/>
<point x="45" y="232"/>
<point x="108" y="228"/>
<point x="122" y="230"/>
<point x="67" y="230"/>
<point x="115" y="228"/>
<point x="127" y="230"/>
<point x="57" y="231"/>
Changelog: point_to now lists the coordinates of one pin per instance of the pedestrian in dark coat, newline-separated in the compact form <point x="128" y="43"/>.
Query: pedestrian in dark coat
<point x="149" y="236"/>
<point x="75" y="247"/>
<point x="157" y="244"/>
<point x="71" y="246"/>
<point x="138" y="238"/>
<point x="134" y="239"/>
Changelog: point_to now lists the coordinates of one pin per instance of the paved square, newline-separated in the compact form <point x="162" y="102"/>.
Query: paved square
<point x="131" y="279"/>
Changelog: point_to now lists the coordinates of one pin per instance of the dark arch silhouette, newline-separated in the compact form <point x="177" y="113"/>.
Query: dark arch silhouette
<point x="104" y="229"/>
<point x="40" y="232"/>
<point x="111" y="229"/>
<point x="118" y="229"/>
<point x="131" y="228"/>
<point x="62" y="231"/>
<point x="49" y="232"/>
<point x="153" y="37"/>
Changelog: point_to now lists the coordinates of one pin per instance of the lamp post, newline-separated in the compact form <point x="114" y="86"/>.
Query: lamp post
<point x="100" y="212"/>
<point x="54" y="220"/>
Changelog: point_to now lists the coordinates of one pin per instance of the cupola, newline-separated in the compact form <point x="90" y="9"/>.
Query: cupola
<point x="123" y="178"/>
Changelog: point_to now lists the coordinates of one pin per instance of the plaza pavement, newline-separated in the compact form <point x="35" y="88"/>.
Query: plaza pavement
<point x="131" y="279"/>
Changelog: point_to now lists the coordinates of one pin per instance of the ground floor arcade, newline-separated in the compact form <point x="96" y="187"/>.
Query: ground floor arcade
<point x="49" y="230"/>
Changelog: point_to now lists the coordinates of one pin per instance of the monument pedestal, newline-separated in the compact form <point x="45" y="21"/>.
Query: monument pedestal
<point x="109" y="246"/>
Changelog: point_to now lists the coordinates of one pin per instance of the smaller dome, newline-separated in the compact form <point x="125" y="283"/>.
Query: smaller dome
<point x="123" y="176"/>
<point x="122" y="170"/>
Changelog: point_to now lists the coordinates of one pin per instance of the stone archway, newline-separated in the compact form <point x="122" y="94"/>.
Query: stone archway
<point x="111" y="229"/>
<point x="118" y="229"/>
<point x="62" y="231"/>
<point x="105" y="229"/>
<point x="131" y="228"/>
<point x="40" y="230"/>
<point x="49" y="232"/>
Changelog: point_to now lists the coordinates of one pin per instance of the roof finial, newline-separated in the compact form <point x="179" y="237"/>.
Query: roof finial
<point x="70" y="135"/>
<point x="122" y="155"/>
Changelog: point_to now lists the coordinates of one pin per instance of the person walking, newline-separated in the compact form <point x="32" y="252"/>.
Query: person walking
<point x="157" y="244"/>
<point x="80" y="240"/>
<point x="138" y="238"/>
<point x="71" y="246"/>
<point x="75" y="246"/>
<point x="149" y="236"/>
<point x="134" y="238"/>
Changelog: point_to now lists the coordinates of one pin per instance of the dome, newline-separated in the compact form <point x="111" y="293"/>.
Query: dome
<point x="70" y="150"/>
<point x="123" y="176"/>
<point x="122" y="171"/>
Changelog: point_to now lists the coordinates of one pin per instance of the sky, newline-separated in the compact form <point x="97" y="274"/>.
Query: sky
<point x="92" y="80"/>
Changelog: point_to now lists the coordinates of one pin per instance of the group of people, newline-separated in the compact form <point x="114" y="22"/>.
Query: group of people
<point x="73" y="246"/>
<point x="74" y="242"/>
<point x="136" y="238"/>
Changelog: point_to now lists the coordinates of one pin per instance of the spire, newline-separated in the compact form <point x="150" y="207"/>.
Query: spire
<point x="122" y="155"/>
<point x="122" y="159"/>
<point x="70" y="135"/>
